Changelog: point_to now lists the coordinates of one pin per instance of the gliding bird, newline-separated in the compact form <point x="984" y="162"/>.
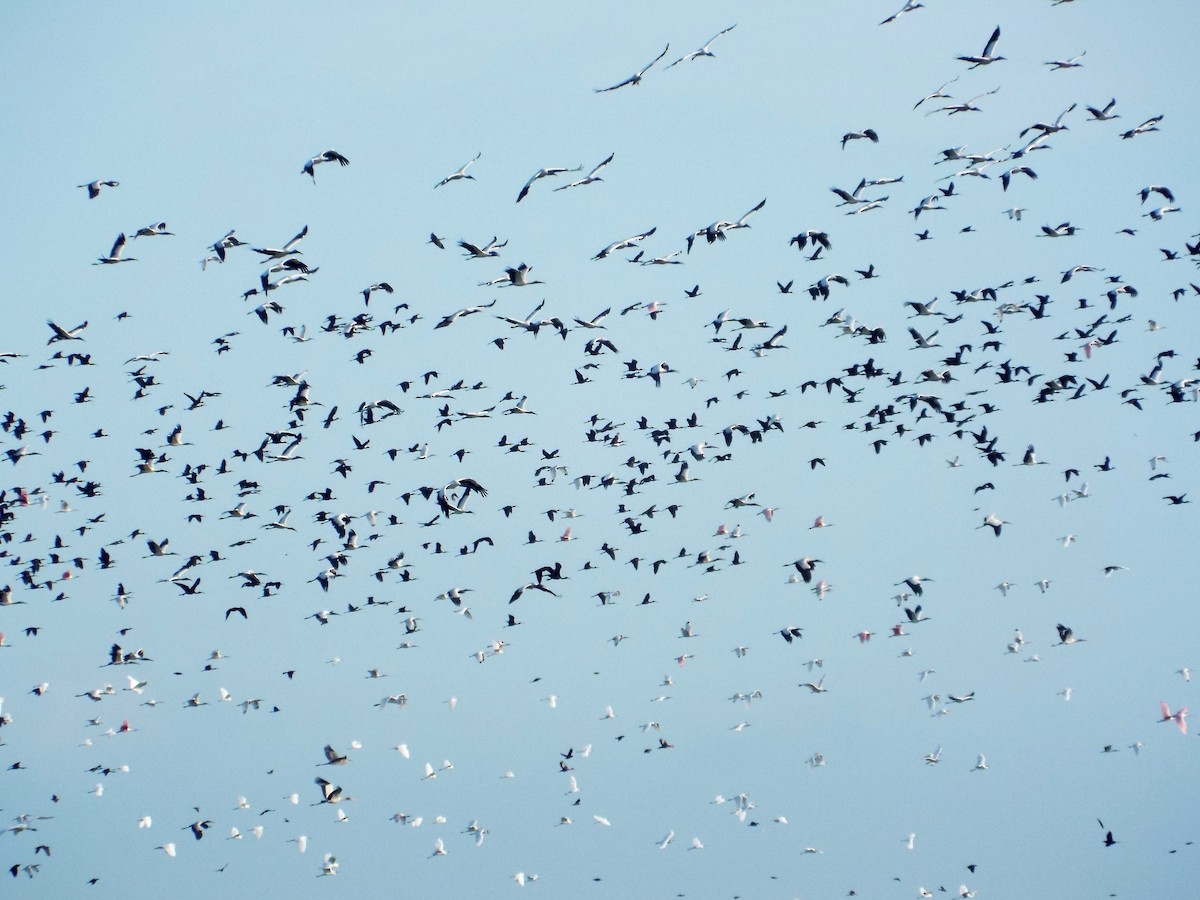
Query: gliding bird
<point x="591" y="176"/>
<point x="703" y="51"/>
<point x="636" y="78"/>
<point x="460" y="174"/>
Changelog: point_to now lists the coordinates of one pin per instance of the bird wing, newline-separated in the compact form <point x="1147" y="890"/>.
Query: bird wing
<point x="297" y="239"/>
<point x="592" y="174"/>
<point x="991" y="44"/>
<point x="653" y="61"/>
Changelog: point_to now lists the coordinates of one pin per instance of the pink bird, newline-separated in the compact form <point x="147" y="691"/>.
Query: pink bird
<point x="1180" y="718"/>
<point x="683" y="659"/>
<point x="768" y="512"/>
<point x="820" y="523"/>
<point x="864" y="636"/>
<point x="722" y="530"/>
<point x="566" y="535"/>
<point x="898" y="631"/>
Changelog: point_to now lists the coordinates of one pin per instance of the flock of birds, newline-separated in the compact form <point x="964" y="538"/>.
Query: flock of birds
<point x="444" y="516"/>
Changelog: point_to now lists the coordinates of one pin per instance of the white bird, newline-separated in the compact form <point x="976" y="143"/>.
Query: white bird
<point x="1072" y="63"/>
<point x="981" y="763"/>
<point x="940" y="93"/>
<point x="548" y="172"/>
<point x="665" y="260"/>
<point x="93" y="187"/>
<point x="460" y="173"/>
<point x="865" y="134"/>
<point x="329" y="865"/>
<point x="114" y="255"/>
<point x="1067" y="636"/>
<point x="988" y="55"/>
<point x="636" y="78"/>
<point x="623" y="244"/>
<point x="591" y="176"/>
<point x="158" y="229"/>
<point x="909" y="6"/>
<point x="288" y="249"/>
<point x="327" y="156"/>
<point x="1149" y="125"/>
<point x="818" y="688"/>
<point x="991" y="520"/>
<point x="703" y="51"/>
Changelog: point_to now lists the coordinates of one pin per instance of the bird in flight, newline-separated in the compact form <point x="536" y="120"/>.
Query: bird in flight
<point x="591" y="176"/>
<point x="909" y="6"/>
<point x="703" y="51"/>
<point x="548" y="172"/>
<point x="866" y="134"/>
<point x="1179" y="717"/>
<point x="636" y="78"/>
<point x="1067" y="636"/>
<point x="327" y="156"/>
<point x="93" y="187"/>
<point x="1108" y="835"/>
<point x="460" y="173"/>
<point x="988" y="56"/>
<point x="114" y="255"/>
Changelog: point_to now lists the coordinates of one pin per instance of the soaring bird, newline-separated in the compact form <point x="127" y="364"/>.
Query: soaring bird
<point x="703" y="51"/>
<point x="288" y="249"/>
<point x="1072" y="63"/>
<point x="460" y="174"/>
<point x="1149" y="125"/>
<point x="636" y="78"/>
<point x="909" y="6"/>
<point x="591" y="176"/>
<point x="548" y="172"/>
<point x="624" y="244"/>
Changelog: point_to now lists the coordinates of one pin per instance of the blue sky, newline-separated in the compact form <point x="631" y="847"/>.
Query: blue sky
<point x="205" y="119"/>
